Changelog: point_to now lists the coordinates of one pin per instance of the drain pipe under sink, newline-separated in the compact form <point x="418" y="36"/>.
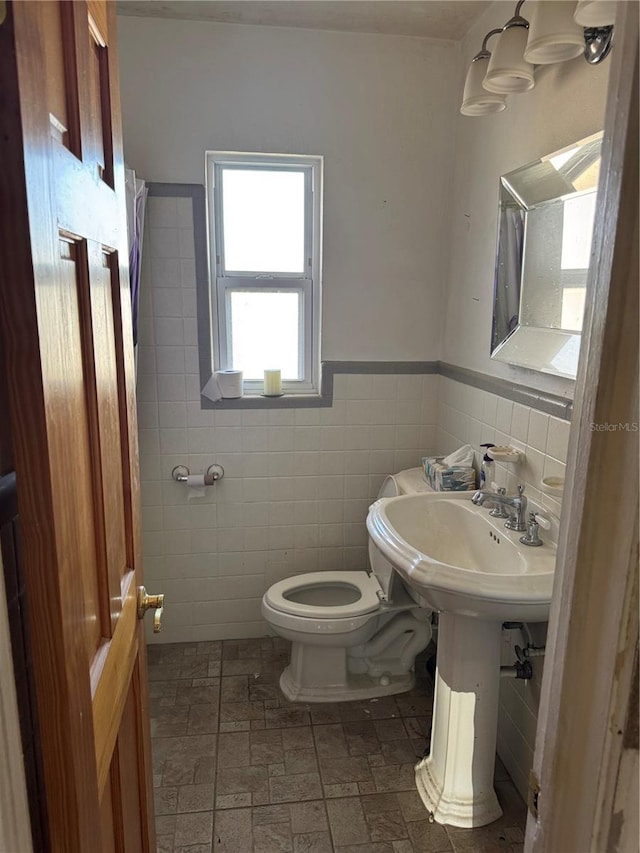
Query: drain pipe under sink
<point x="518" y="670"/>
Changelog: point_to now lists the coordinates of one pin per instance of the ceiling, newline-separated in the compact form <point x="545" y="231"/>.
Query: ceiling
<point x="450" y="19"/>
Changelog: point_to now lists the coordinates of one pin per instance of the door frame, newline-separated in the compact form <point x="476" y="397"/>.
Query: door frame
<point x="591" y="654"/>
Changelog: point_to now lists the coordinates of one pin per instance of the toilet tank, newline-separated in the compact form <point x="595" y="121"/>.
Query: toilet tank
<point x="407" y="482"/>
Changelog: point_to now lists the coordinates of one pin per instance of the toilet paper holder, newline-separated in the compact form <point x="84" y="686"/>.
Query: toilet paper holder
<point x="214" y="472"/>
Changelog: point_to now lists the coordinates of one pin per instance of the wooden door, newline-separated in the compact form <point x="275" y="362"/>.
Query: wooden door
<point x="65" y="324"/>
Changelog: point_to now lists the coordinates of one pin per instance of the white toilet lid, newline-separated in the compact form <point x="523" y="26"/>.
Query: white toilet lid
<point x="326" y="595"/>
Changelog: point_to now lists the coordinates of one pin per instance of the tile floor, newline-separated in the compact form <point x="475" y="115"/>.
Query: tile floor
<point x="238" y="769"/>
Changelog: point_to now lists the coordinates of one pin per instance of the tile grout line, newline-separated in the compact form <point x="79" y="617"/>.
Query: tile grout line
<point x="215" y="756"/>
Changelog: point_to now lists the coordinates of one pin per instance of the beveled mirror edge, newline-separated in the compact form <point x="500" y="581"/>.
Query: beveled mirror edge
<point x="561" y="346"/>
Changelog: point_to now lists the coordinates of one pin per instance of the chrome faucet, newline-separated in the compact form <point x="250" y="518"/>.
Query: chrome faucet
<point x="517" y="504"/>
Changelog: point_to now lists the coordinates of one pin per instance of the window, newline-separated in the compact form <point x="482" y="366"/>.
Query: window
<point x="264" y="232"/>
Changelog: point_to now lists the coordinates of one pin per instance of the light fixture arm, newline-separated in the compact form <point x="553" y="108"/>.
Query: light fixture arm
<point x="517" y="20"/>
<point x="483" y="52"/>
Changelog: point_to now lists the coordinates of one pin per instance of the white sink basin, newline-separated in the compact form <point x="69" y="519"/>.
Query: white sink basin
<point x="456" y="558"/>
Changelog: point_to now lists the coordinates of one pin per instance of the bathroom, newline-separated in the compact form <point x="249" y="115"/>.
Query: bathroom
<point x="396" y="366"/>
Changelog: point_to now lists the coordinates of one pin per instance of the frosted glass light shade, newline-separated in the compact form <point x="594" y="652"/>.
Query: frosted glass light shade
<point x="508" y="71"/>
<point x="554" y="35"/>
<point x="476" y="101"/>
<point x="595" y="13"/>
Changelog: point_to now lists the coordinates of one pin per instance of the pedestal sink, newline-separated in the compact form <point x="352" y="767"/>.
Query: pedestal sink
<point x="456" y="559"/>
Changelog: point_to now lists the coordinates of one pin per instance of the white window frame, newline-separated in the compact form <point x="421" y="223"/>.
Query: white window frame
<point x="307" y="284"/>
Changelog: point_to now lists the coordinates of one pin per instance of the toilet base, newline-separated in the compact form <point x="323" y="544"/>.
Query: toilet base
<point x="355" y="687"/>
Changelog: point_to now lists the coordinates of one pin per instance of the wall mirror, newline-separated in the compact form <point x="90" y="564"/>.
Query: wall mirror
<point x="545" y="225"/>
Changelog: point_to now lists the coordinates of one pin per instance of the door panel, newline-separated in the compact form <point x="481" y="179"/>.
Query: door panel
<point x="66" y="329"/>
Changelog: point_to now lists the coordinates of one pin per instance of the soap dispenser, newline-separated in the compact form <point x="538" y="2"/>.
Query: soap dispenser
<point x="486" y="469"/>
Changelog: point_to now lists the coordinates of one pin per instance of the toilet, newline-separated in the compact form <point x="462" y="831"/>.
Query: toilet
<point x="354" y="635"/>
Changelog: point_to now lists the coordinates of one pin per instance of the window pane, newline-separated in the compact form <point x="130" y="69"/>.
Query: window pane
<point x="265" y="332"/>
<point x="263" y="220"/>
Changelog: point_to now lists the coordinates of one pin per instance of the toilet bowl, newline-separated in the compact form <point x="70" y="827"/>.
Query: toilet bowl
<point x="354" y="635"/>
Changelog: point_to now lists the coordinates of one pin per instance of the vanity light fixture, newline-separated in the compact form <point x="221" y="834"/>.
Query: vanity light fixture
<point x="557" y="31"/>
<point x="595" y="13"/>
<point x="476" y="100"/>
<point x="508" y="71"/>
<point x="554" y="35"/>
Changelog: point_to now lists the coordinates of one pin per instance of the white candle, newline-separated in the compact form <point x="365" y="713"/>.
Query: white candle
<point x="272" y="383"/>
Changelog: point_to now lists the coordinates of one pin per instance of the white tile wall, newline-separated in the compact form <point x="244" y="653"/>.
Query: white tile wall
<point x="297" y="482"/>
<point x="468" y="415"/>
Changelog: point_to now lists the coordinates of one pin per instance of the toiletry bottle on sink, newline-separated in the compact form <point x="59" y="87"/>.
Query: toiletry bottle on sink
<point x="486" y="469"/>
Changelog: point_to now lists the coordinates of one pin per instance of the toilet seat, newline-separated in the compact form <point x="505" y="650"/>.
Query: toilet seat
<point x="308" y="595"/>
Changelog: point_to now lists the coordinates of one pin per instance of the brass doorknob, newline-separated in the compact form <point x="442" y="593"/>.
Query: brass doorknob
<point x="151" y="602"/>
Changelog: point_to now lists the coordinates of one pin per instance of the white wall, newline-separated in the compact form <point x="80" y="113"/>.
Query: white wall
<point x="380" y="109"/>
<point x="566" y="105"/>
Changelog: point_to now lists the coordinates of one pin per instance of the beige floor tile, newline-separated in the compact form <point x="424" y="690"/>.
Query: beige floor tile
<point x="234" y="688"/>
<point x="290" y="789"/>
<point x="347" y="823"/>
<point x="241" y="780"/>
<point x="338" y="771"/>
<point x="411" y="806"/>
<point x="386" y="826"/>
<point x="428" y="837"/>
<point x="280" y="718"/>
<point x="330" y="740"/>
<point x="299" y="737"/>
<point x="300" y="761"/>
<point x="203" y="719"/>
<point x="202" y="691"/>
<point x="194" y="828"/>
<point x="312" y="842"/>
<point x="232" y="712"/>
<point x="308" y="817"/>
<point x="249" y="666"/>
<point x="166" y="800"/>
<point x="233" y="749"/>
<point x="271" y="814"/>
<point x="233" y="831"/>
<point x="266" y="747"/>
<point x="195" y="798"/>
<point x="272" y="838"/>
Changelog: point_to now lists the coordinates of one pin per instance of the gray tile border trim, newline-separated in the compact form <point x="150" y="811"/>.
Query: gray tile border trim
<point x="325" y="398"/>
<point x="381" y="367"/>
<point x="552" y="404"/>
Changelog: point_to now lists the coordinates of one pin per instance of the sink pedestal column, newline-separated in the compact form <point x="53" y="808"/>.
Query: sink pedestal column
<point x="456" y="780"/>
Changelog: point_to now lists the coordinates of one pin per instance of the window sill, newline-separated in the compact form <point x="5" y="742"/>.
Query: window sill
<point x="257" y="401"/>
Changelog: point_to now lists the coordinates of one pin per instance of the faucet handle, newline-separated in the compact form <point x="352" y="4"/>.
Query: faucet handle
<point x="531" y="537"/>
<point x="520" y="489"/>
<point x="542" y="520"/>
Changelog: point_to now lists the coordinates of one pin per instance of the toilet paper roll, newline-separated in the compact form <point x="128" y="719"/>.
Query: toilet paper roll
<point x="223" y="384"/>
<point x="195" y="486"/>
<point x="230" y="383"/>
